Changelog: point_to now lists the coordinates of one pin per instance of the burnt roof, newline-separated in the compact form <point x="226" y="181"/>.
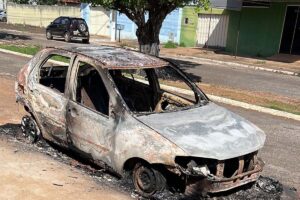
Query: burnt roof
<point x="118" y="58"/>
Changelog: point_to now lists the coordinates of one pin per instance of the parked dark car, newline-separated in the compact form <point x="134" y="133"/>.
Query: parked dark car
<point x="69" y="28"/>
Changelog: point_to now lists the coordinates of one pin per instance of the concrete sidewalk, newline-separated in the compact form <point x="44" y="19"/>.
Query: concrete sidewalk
<point x="281" y="63"/>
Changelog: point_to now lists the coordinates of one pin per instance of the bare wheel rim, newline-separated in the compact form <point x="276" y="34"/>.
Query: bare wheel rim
<point x="30" y="129"/>
<point x="144" y="180"/>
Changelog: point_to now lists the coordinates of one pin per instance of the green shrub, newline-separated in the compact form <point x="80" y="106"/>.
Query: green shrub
<point x="170" y="44"/>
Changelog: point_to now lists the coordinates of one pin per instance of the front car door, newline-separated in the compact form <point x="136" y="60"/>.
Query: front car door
<point x="48" y="95"/>
<point x="54" y="27"/>
<point x="89" y="124"/>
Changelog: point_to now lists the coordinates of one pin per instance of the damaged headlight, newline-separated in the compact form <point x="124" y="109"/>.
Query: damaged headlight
<point x="195" y="169"/>
<point x="191" y="167"/>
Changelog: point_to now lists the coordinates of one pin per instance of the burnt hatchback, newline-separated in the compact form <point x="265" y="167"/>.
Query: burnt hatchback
<point x="140" y="115"/>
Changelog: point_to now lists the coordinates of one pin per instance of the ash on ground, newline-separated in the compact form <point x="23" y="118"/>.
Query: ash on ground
<point x="264" y="188"/>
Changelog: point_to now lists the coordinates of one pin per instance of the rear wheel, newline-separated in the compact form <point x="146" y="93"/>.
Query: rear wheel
<point x="148" y="180"/>
<point x="4" y="19"/>
<point x="67" y="37"/>
<point x="30" y="129"/>
<point x="49" y="35"/>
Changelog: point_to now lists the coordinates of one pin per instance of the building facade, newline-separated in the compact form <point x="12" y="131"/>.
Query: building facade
<point x="261" y="28"/>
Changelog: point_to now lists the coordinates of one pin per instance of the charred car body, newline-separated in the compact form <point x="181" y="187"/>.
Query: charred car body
<point x="131" y="112"/>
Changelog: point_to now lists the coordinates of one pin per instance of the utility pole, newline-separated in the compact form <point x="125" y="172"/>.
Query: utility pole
<point x="113" y="25"/>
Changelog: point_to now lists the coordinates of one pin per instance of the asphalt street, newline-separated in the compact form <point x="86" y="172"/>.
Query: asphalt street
<point x="232" y="77"/>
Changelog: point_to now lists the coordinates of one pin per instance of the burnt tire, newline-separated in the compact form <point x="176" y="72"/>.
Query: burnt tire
<point x="49" y="35"/>
<point x="67" y="36"/>
<point x="30" y="129"/>
<point x="147" y="180"/>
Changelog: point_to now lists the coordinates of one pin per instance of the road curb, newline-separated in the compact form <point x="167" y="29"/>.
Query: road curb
<point x="231" y="102"/>
<point x="254" y="107"/>
<point x="212" y="97"/>
<point x="219" y="62"/>
<point x="15" y="53"/>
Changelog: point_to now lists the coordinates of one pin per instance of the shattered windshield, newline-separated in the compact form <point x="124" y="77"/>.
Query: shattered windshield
<point x="156" y="90"/>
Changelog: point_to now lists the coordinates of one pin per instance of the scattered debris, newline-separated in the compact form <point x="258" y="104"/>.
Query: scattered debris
<point x="264" y="188"/>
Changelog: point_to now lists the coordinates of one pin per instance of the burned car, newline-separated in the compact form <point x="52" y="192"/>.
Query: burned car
<point x="139" y="115"/>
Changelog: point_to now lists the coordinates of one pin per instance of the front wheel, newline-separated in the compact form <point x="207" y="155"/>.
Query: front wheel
<point x="49" y="35"/>
<point x="148" y="180"/>
<point x="67" y="37"/>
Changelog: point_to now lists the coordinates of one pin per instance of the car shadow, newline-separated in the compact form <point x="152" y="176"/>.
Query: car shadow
<point x="72" y="41"/>
<point x="185" y="66"/>
<point x="13" y="37"/>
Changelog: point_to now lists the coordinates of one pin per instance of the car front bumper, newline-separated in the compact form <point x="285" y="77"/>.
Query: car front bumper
<point x="220" y="184"/>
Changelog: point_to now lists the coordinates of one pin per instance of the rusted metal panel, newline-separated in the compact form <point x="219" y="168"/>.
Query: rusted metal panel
<point x="118" y="58"/>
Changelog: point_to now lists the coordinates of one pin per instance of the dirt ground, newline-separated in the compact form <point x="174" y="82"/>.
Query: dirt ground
<point x="27" y="174"/>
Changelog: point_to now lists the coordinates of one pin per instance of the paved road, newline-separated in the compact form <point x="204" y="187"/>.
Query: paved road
<point x="237" y="78"/>
<point x="244" y="79"/>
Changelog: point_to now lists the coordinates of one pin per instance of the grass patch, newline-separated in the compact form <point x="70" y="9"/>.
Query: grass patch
<point x="61" y="59"/>
<point x="170" y="45"/>
<point x="29" y="50"/>
<point x="283" y="107"/>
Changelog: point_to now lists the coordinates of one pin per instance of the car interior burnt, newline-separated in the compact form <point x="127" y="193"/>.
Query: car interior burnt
<point x="91" y="91"/>
<point x="54" y="75"/>
<point x="152" y="90"/>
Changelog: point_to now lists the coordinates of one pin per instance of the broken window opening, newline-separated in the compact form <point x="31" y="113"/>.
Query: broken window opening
<point x="154" y="90"/>
<point x="53" y="74"/>
<point x="91" y="91"/>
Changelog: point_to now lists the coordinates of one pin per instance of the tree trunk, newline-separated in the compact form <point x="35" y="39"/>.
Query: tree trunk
<point x="148" y="38"/>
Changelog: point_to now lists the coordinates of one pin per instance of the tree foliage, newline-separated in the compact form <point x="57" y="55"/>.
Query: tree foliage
<point x="156" y="10"/>
<point x="135" y="9"/>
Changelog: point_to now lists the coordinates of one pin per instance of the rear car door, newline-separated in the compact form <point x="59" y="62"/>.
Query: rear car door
<point x="63" y="25"/>
<point x="49" y="97"/>
<point x="89" y="124"/>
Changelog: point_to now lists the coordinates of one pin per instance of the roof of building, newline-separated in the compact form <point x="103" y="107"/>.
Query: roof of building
<point x="118" y="58"/>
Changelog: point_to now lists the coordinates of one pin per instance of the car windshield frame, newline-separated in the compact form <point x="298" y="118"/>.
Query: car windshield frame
<point x="200" y="96"/>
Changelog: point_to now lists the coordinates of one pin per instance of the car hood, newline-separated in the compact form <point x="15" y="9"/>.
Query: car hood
<point x="209" y="131"/>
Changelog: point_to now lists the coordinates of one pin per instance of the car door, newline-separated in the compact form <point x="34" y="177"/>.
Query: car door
<point x="63" y="25"/>
<point x="89" y="122"/>
<point x="48" y="96"/>
<point x="54" y="26"/>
